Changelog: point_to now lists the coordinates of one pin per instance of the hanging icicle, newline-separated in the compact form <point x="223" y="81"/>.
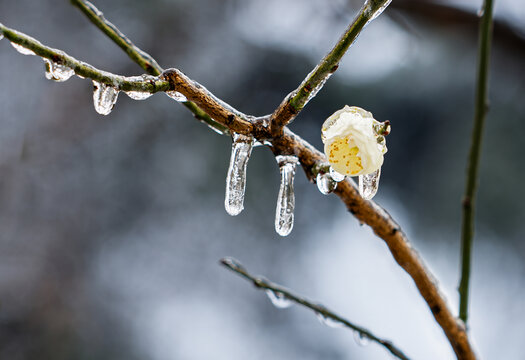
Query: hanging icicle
<point x="368" y="184"/>
<point x="236" y="179"/>
<point x="284" y="214"/>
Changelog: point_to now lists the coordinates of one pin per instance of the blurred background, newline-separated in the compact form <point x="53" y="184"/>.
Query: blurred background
<point x="111" y="228"/>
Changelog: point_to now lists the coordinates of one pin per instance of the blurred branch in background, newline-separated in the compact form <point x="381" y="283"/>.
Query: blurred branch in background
<point x="480" y="112"/>
<point x="444" y="15"/>
<point x="282" y="297"/>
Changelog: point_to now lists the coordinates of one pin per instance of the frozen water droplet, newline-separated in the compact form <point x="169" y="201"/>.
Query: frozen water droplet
<point x="328" y="321"/>
<point x="278" y="299"/>
<point x="138" y="95"/>
<point x="325" y="183"/>
<point x="177" y="96"/>
<point x="236" y="179"/>
<point x="104" y="98"/>
<point x="368" y="184"/>
<point x="286" y="200"/>
<point x="22" y="50"/>
<point x="375" y="12"/>
<point x="361" y="339"/>
<point x="1" y="36"/>
<point x="57" y="72"/>
<point x="336" y="176"/>
<point x="481" y="12"/>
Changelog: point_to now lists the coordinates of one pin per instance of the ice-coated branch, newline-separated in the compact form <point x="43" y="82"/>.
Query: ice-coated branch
<point x="213" y="106"/>
<point x="311" y="160"/>
<point x="321" y="311"/>
<point x="480" y="112"/>
<point x="314" y="81"/>
<point x="151" y="85"/>
<point x="137" y="55"/>
<point x="386" y="228"/>
<point x="143" y="59"/>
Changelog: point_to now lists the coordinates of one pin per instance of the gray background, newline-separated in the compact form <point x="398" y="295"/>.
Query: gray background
<point x="111" y="228"/>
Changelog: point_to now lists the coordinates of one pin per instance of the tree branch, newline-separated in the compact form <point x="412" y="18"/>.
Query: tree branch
<point x="319" y="310"/>
<point x="143" y="59"/>
<point x="480" y="112"/>
<point x="137" y="55"/>
<point x="314" y="81"/>
<point x="123" y="83"/>
<point x="289" y="143"/>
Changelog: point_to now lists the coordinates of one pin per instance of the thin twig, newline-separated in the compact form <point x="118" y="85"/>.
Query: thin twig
<point x="145" y="84"/>
<point x="137" y="55"/>
<point x="314" y="81"/>
<point x="480" y="112"/>
<point x="319" y="310"/>
<point x="142" y="58"/>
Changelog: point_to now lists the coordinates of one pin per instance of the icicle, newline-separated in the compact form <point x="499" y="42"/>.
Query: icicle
<point x="361" y="339"/>
<point x="286" y="200"/>
<point x="278" y="299"/>
<point x="22" y="50"/>
<point x="57" y="72"/>
<point x="325" y="183"/>
<point x="138" y="95"/>
<point x="236" y="179"/>
<point x="337" y="177"/>
<point x="368" y="184"/>
<point x="177" y="96"/>
<point x="104" y="98"/>
<point x="325" y="320"/>
<point x="377" y="11"/>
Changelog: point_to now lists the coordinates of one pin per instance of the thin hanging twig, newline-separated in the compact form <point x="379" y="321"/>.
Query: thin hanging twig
<point x="320" y="310"/>
<point x="480" y="112"/>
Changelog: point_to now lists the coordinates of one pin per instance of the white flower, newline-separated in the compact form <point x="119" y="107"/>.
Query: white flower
<point x="354" y="142"/>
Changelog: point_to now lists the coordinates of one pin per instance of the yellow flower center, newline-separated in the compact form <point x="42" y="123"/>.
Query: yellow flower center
<point x="345" y="159"/>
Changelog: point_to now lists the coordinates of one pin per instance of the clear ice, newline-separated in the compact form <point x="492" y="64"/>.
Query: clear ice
<point x="368" y="184"/>
<point x="177" y="96"/>
<point x="278" y="299"/>
<point x="328" y="321"/>
<point x="236" y="178"/>
<point x="286" y="199"/>
<point x="336" y="176"/>
<point x="361" y="339"/>
<point x="378" y="11"/>
<point x="57" y="72"/>
<point x="22" y="50"/>
<point x="104" y="98"/>
<point x="325" y="183"/>
<point x="138" y="95"/>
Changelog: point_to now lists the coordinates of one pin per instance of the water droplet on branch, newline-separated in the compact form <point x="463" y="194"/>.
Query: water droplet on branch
<point x="375" y="13"/>
<point x="57" y="72"/>
<point x="177" y="96"/>
<point x="278" y="299"/>
<point x="22" y="50"/>
<point x="284" y="214"/>
<point x="337" y="177"/>
<point x="138" y="95"/>
<point x="325" y="183"/>
<point x="328" y="321"/>
<point x="236" y="178"/>
<point x="368" y="184"/>
<point x="361" y="339"/>
<point x="104" y="97"/>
